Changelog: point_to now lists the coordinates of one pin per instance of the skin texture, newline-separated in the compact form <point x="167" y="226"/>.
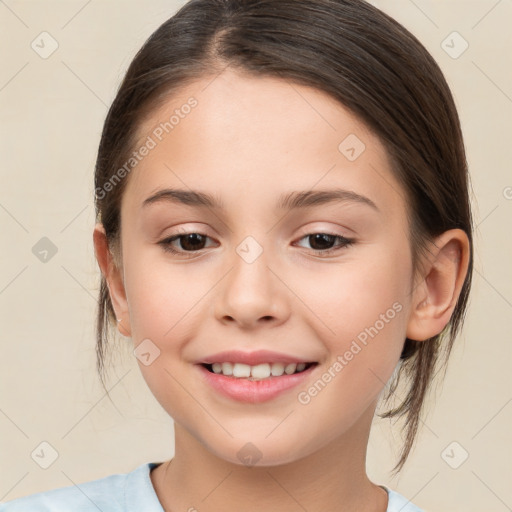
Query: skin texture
<point x="249" y="140"/>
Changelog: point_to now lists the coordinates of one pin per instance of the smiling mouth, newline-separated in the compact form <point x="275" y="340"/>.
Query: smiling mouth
<point x="257" y="372"/>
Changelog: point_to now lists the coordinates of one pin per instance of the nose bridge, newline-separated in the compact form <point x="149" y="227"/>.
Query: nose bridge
<point x="251" y="290"/>
<point x="251" y="275"/>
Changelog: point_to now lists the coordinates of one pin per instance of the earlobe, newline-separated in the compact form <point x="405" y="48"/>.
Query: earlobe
<point x="113" y="279"/>
<point x="435" y="297"/>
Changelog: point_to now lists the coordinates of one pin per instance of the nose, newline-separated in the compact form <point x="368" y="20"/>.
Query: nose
<point x="252" y="294"/>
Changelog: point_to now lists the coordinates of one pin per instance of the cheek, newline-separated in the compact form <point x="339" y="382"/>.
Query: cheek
<point x="363" y="353"/>
<point x="165" y="304"/>
<point x="161" y="296"/>
<point x="361" y="316"/>
<point x="350" y="296"/>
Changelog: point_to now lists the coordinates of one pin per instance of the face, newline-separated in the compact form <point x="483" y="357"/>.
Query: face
<point x="320" y="281"/>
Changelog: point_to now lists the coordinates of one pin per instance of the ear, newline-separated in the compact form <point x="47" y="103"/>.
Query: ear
<point x="436" y="294"/>
<point x="114" y="278"/>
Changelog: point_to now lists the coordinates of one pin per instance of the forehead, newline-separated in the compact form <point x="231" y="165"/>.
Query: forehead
<point x="234" y="133"/>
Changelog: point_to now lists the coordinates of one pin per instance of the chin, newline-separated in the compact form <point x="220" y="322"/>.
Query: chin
<point x="260" y="453"/>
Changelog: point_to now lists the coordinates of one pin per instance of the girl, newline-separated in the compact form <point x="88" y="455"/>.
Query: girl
<point x="284" y="228"/>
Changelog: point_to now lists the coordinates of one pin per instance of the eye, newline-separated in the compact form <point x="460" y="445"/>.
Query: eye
<point x="322" y="242"/>
<point x="191" y="242"/>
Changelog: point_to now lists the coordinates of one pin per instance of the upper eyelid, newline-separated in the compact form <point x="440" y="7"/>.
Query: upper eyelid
<point x="175" y="236"/>
<point x="201" y="230"/>
<point x="345" y="244"/>
<point x="183" y="231"/>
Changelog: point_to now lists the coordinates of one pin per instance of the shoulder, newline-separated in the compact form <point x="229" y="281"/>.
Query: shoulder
<point x="115" y="493"/>
<point x="398" y="503"/>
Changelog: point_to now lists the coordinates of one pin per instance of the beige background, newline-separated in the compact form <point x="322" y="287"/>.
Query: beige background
<point x="52" y="112"/>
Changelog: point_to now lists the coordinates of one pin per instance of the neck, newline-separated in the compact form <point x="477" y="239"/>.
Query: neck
<point x="332" y="478"/>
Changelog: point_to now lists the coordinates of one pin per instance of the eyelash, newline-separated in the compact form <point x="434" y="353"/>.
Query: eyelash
<point x="345" y="242"/>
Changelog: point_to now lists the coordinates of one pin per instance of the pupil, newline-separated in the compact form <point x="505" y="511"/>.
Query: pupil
<point x="195" y="238"/>
<point x="325" y="240"/>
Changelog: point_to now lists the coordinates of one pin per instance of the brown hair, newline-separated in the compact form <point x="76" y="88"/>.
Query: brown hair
<point x="360" y="56"/>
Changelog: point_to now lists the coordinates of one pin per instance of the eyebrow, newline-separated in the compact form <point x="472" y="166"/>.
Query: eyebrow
<point x="290" y="201"/>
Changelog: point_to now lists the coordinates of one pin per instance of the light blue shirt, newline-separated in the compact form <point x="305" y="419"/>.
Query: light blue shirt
<point x="126" y="492"/>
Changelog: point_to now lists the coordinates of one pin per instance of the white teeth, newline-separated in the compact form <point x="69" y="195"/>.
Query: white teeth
<point x="259" y="371"/>
<point x="241" y="370"/>
<point x="227" y="368"/>
<point x="290" y="368"/>
<point x="277" y="369"/>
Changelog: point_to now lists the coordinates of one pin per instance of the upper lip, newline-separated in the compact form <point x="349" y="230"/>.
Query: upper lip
<point x="252" y="358"/>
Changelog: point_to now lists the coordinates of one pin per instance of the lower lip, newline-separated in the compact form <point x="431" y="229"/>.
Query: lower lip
<point x="254" y="391"/>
